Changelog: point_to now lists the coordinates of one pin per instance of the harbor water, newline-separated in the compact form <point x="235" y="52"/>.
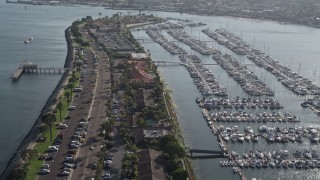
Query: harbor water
<point x="21" y="102"/>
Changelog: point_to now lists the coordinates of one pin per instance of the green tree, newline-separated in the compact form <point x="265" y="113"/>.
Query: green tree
<point x="60" y="106"/>
<point x="48" y="119"/>
<point x="173" y="148"/>
<point x="107" y="126"/>
<point x="17" y="174"/>
<point x="180" y="174"/>
<point x="100" y="14"/>
<point x="70" y="86"/>
<point x="166" y="139"/>
<point x="141" y="122"/>
<point x="27" y="155"/>
<point x="43" y="128"/>
<point x="67" y="94"/>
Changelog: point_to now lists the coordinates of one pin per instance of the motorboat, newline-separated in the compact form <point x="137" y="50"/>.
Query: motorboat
<point x="272" y="164"/>
<point x="259" y="154"/>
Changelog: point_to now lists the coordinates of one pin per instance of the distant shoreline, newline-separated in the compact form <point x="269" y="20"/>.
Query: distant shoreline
<point x="32" y="134"/>
<point x="164" y="10"/>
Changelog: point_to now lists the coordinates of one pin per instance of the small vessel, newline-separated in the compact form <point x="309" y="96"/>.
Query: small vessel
<point x="272" y="164"/>
<point x="28" y="40"/>
<point x="235" y="170"/>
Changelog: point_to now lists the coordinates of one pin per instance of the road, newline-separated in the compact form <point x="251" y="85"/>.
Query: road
<point x="98" y="114"/>
<point x="94" y="86"/>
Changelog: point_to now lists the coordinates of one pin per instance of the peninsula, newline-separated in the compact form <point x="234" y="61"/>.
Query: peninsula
<point x="110" y="117"/>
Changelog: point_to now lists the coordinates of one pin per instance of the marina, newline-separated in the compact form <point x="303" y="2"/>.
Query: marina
<point x="246" y="78"/>
<point x="240" y="73"/>
<point x="195" y="44"/>
<point x="269" y="134"/>
<point x="285" y="41"/>
<point x="239" y="110"/>
<point x="288" y="77"/>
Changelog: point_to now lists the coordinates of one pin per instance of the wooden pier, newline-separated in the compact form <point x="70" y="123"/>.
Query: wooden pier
<point x="30" y="67"/>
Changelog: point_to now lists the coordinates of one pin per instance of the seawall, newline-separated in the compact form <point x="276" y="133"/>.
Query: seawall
<point x="49" y="106"/>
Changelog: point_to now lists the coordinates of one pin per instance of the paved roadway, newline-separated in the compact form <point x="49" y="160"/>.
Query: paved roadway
<point x="98" y="115"/>
<point x="82" y="104"/>
<point x="96" y="92"/>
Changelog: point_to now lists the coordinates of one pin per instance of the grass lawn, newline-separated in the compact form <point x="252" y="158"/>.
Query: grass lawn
<point x="42" y="148"/>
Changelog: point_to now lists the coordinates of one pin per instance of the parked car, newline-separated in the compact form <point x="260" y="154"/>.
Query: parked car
<point x="52" y="149"/>
<point x="64" y="173"/>
<point x="73" y="146"/>
<point x="71" y="108"/>
<point x="43" y="171"/>
<point x="69" y="165"/>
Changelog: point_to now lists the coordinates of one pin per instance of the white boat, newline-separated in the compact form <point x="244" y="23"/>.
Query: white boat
<point x="240" y="137"/>
<point x="259" y="154"/>
<point x="235" y="170"/>
<point x="248" y="130"/>
<point x="247" y="137"/>
<point x="272" y="164"/>
<point x="26" y="41"/>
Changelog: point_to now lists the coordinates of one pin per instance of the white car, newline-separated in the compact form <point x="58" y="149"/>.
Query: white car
<point x="75" y="142"/>
<point x="72" y="108"/>
<point x="64" y="173"/>
<point x="52" y="148"/>
<point x="44" y="171"/>
<point x="63" y="126"/>
<point x="69" y="165"/>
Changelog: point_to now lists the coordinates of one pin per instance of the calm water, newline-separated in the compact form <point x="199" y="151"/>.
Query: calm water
<point x="22" y="101"/>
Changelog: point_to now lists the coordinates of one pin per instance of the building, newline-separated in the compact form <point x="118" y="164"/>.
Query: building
<point x="138" y="56"/>
<point x="148" y="166"/>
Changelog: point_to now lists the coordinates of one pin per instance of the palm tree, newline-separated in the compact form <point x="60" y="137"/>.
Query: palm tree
<point x="60" y="106"/>
<point x="100" y="14"/>
<point x="107" y="126"/>
<point x="70" y="86"/>
<point x="48" y="119"/>
<point x="68" y="95"/>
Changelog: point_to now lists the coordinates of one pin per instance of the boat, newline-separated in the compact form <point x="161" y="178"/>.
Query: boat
<point x="272" y="164"/>
<point x="255" y="138"/>
<point x="298" y="164"/>
<point x="247" y="137"/>
<point x="235" y="170"/>
<point x="248" y="130"/>
<point x="267" y="155"/>
<point x="240" y="137"/>
<point x="307" y="155"/>
<point x="259" y="154"/>
<point x="252" y="164"/>
<point x="26" y="41"/>
<point x="284" y="164"/>
<point x="240" y="163"/>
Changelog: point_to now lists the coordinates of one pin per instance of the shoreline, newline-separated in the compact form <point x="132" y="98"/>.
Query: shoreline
<point x="30" y="138"/>
<point x="284" y="21"/>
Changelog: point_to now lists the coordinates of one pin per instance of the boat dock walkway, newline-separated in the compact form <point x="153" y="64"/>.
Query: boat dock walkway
<point x="191" y="151"/>
<point x="30" y="67"/>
